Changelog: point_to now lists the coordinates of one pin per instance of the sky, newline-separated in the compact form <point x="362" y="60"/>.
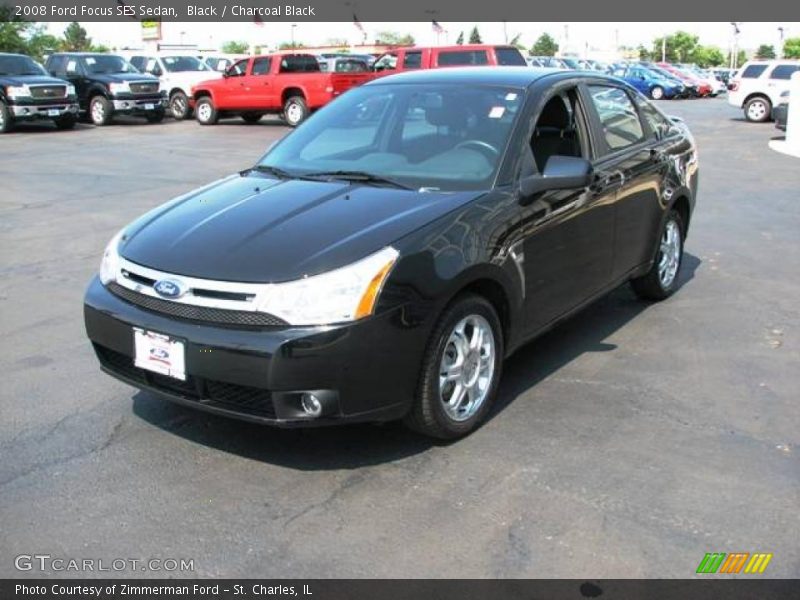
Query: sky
<point x="580" y="36"/>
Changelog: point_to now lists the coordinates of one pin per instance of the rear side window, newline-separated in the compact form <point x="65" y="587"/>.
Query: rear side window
<point x="463" y="57"/>
<point x="510" y="57"/>
<point x="618" y="116"/>
<point x="299" y="63"/>
<point x="784" y="71"/>
<point x="753" y="71"/>
<point x="413" y="60"/>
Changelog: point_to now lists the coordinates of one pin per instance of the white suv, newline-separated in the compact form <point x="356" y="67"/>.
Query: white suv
<point x="178" y="73"/>
<point x="758" y="85"/>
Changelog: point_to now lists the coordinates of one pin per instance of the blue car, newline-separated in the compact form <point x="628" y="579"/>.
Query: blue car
<point x="650" y="83"/>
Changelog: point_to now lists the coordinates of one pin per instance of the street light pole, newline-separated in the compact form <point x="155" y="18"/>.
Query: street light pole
<point x="292" y="30"/>
<point x="781" y="33"/>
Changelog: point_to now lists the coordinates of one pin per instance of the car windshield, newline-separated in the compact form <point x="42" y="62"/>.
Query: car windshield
<point x="180" y="64"/>
<point x="20" y="65"/>
<point x="107" y="63"/>
<point x="444" y="137"/>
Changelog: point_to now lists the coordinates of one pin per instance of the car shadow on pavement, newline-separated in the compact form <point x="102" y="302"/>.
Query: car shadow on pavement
<point x="354" y="446"/>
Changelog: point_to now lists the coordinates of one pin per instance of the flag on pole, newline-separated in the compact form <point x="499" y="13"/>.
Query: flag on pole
<point x="436" y="27"/>
<point x="358" y="24"/>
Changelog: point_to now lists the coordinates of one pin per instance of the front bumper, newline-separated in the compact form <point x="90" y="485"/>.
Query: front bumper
<point x="51" y="110"/>
<point x="139" y="105"/>
<point x="363" y="371"/>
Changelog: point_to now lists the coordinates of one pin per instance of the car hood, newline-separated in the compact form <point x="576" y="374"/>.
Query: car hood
<point x="122" y="77"/>
<point x="31" y="80"/>
<point x="250" y="228"/>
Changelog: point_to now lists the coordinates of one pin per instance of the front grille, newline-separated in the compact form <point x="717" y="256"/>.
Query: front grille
<point x="231" y="396"/>
<point x="48" y="91"/>
<point x="190" y="312"/>
<point x="144" y="88"/>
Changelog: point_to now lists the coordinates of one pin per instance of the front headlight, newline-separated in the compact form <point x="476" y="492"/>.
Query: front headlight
<point x="18" y="91"/>
<point x="109" y="266"/>
<point x="119" y="88"/>
<point x="70" y="90"/>
<point x="345" y="294"/>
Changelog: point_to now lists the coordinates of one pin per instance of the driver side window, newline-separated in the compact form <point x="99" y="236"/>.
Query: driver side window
<point x="560" y="129"/>
<point x="237" y="69"/>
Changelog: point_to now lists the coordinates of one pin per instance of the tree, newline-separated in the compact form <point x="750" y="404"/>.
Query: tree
<point x="765" y="51"/>
<point x="41" y="43"/>
<point x="644" y="54"/>
<point x="545" y="45"/>
<point x="516" y="43"/>
<point x="235" y="47"/>
<point x="12" y="32"/>
<point x="460" y="39"/>
<point x="741" y="58"/>
<point x="393" y="38"/>
<point x="338" y="42"/>
<point x="475" y="36"/>
<point x="679" y="46"/>
<point x="76" y="39"/>
<point x="791" y="48"/>
<point x="291" y="45"/>
<point x="707" y="56"/>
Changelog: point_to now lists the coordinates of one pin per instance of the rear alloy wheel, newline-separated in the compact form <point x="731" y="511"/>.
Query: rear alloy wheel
<point x="757" y="109"/>
<point x="100" y="110"/>
<point x="205" y="112"/>
<point x="295" y="111"/>
<point x="657" y="93"/>
<point x="179" y="106"/>
<point x="661" y="280"/>
<point x="5" y="118"/>
<point x="460" y="371"/>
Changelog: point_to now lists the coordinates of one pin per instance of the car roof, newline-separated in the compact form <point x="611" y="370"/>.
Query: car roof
<point x="504" y="76"/>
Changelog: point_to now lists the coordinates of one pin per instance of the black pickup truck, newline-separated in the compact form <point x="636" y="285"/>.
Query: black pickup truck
<point x="108" y="85"/>
<point x="27" y="92"/>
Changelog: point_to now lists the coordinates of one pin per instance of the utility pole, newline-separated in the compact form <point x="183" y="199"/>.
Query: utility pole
<point x="735" y="52"/>
<point x="781" y="32"/>
<point x="566" y="40"/>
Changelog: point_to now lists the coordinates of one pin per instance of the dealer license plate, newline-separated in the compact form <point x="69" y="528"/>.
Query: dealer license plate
<point x="159" y="353"/>
<point x="149" y="106"/>
<point x="53" y="112"/>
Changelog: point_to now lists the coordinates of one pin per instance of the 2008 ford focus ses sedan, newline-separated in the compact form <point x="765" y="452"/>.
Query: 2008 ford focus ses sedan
<point x="383" y="259"/>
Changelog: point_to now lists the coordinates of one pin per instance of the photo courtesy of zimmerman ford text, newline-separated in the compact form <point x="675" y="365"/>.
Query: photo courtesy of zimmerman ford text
<point x="420" y="300"/>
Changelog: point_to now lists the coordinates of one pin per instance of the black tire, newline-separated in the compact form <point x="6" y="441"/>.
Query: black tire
<point x="179" y="106"/>
<point x="295" y="111"/>
<point x="155" y="117"/>
<point x="100" y="110"/>
<point x="650" y="286"/>
<point x="252" y="118"/>
<point x="66" y="122"/>
<point x="657" y="92"/>
<point x="6" y="122"/>
<point x="204" y="111"/>
<point x="758" y="109"/>
<point x="428" y="415"/>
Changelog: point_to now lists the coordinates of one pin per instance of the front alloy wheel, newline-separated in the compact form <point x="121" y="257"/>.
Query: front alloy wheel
<point x="657" y="93"/>
<point x="179" y="106"/>
<point x="460" y="371"/>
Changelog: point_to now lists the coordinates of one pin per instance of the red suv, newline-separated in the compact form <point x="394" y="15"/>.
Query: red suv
<point x="407" y="59"/>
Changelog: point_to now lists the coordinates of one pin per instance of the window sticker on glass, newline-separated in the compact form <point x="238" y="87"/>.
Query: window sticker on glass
<point x="72" y="65"/>
<point x="511" y="96"/>
<point x="90" y="60"/>
<point x="497" y="112"/>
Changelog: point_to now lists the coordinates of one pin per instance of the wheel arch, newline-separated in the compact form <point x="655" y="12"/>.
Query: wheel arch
<point x="293" y="90"/>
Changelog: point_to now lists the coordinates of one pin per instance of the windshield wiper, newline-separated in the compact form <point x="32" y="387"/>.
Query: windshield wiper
<point x="276" y="171"/>
<point x="361" y="176"/>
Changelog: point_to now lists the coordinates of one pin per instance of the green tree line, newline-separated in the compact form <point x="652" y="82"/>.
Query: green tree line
<point x="24" y="37"/>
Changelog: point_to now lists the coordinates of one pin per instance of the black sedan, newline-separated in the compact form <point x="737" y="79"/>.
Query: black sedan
<point x="381" y="261"/>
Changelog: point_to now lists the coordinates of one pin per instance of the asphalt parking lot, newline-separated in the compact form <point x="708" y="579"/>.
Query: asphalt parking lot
<point x="627" y="443"/>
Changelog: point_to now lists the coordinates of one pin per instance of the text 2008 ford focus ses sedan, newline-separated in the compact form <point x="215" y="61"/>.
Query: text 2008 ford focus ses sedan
<point x="383" y="259"/>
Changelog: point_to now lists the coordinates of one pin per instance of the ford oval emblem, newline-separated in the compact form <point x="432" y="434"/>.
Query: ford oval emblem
<point x="170" y="288"/>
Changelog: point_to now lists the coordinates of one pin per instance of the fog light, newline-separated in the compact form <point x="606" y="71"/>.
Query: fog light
<point x="311" y="405"/>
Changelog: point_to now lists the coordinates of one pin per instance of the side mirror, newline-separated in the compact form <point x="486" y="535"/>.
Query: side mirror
<point x="560" y="173"/>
